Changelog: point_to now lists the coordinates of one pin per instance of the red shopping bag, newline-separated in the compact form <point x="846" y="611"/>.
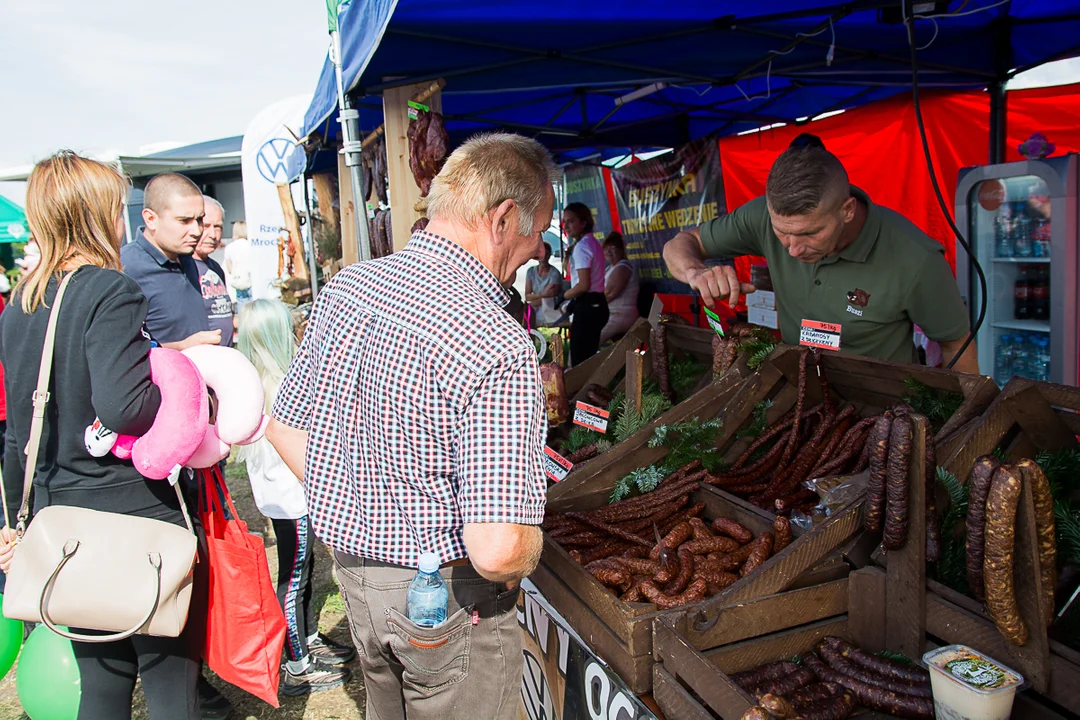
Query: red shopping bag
<point x="245" y="626"/>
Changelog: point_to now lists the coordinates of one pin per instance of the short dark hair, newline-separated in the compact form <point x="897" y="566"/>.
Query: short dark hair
<point x="807" y="140"/>
<point x="803" y="178"/>
<point x="584" y="214"/>
<point x="615" y="240"/>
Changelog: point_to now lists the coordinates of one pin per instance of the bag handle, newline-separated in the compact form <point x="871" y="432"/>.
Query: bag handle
<point x="70" y="548"/>
<point x="37" y="423"/>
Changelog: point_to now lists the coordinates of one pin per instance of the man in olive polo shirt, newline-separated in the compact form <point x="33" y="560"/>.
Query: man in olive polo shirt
<point x="848" y="274"/>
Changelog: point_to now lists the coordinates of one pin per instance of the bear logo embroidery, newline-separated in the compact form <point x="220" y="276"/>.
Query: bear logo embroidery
<point x="858" y="297"/>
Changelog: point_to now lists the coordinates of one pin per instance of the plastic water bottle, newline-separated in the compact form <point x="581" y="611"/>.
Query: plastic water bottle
<point x="1021" y="232"/>
<point x="1003" y="364"/>
<point x="1042" y="361"/>
<point x="428" y="594"/>
<point x="1022" y="355"/>
<point x="1003" y="236"/>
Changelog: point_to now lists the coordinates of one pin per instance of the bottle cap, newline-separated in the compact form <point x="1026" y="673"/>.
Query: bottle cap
<point x="429" y="562"/>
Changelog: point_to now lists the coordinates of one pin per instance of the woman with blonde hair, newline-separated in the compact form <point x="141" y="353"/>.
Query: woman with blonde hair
<point x="101" y="369"/>
<point x="268" y="341"/>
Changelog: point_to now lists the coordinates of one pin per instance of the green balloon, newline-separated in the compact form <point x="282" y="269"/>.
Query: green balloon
<point x="47" y="678"/>
<point x="11" y="636"/>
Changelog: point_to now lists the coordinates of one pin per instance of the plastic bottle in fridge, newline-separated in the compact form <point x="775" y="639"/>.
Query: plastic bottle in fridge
<point x="1003" y="361"/>
<point x="1021" y="355"/>
<point x="1022" y="294"/>
<point x="1040" y="238"/>
<point x="1041" y="365"/>
<point x="428" y="595"/>
<point x="1039" y="293"/>
<point x="1021" y="232"/>
<point x="1003" y="234"/>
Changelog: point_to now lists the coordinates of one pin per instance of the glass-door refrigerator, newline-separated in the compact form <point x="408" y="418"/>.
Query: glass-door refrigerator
<point x="1021" y="222"/>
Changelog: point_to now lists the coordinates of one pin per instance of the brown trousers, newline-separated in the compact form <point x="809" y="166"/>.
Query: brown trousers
<point x="469" y="667"/>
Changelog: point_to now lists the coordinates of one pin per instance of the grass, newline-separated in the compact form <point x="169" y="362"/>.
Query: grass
<point x="345" y="703"/>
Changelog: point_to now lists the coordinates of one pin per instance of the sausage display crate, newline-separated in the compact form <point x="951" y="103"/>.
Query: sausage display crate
<point x="870" y="385"/>
<point x="1026" y="418"/>
<point x="705" y="400"/>
<point x="621" y="633"/>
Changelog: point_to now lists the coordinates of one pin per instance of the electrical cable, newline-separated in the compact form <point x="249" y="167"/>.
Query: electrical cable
<point x="910" y="23"/>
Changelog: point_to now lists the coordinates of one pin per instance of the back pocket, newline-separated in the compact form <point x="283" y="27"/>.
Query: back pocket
<point x="433" y="658"/>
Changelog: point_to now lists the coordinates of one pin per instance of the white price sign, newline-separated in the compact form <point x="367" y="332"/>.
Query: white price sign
<point x="555" y="465"/>
<point x="591" y="417"/>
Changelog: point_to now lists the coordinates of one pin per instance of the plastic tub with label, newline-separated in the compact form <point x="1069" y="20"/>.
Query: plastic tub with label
<point x="968" y="685"/>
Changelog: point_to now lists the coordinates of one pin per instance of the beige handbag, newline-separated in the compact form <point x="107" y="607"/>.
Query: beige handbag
<point x="83" y="568"/>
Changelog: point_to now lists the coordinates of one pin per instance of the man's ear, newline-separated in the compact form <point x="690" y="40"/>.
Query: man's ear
<point x="848" y="209"/>
<point x="504" y="221"/>
<point x="150" y="218"/>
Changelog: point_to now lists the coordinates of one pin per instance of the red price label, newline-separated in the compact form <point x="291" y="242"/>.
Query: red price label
<point x="591" y="417"/>
<point x="556" y="466"/>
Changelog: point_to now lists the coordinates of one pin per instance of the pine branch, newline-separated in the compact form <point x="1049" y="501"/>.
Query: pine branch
<point x="684" y="374"/>
<point x="759" y="421"/>
<point x="758" y="346"/>
<point x="937" y="405"/>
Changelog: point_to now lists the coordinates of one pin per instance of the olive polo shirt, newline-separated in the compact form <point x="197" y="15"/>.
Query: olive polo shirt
<point x="891" y="277"/>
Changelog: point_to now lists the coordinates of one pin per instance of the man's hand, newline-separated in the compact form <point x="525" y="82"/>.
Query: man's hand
<point x="206" y="337"/>
<point x="718" y="283"/>
<point x="8" y="539"/>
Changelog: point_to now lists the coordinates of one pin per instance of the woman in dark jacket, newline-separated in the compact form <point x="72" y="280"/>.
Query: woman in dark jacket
<point x="100" y="369"/>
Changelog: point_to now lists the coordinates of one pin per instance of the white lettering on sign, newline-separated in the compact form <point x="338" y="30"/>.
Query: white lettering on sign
<point x="820" y="335"/>
<point x="854" y="311"/>
<point x="556" y="466"/>
<point x="604" y="698"/>
<point x="591" y="417"/>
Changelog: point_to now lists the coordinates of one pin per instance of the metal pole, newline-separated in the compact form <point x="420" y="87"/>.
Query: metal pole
<point x="997" y="122"/>
<point x="312" y="266"/>
<point x="349" y="118"/>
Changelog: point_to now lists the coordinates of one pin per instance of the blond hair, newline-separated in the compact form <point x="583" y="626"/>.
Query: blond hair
<point x="488" y="170"/>
<point x="72" y="204"/>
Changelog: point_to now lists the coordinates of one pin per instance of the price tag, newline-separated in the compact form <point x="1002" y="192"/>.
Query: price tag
<point x="714" y="322"/>
<point x="415" y="107"/>
<point x="820" y="335"/>
<point x="556" y="466"/>
<point x="591" y="417"/>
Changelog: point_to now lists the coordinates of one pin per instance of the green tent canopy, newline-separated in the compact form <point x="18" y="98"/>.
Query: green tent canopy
<point x="13" y="227"/>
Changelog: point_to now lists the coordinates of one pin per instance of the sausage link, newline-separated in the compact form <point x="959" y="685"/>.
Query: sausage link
<point x="575" y="555"/>
<point x="1001" y="506"/>
<point x="832" y="443"/>
<point x="732" y="560"/>
<point x="839" y="662"/>
<point x="673" y="539"/>
<point x="879" y="665"/>
<point x="686" y="572"/>
<point x="749" y="679"/>
<point x="611" y="547"/>
<point x="794" y="437"/>
<point x="777" y="706"/>
<point x="873" y="697"/>
<point x="982" y="474"/>
<point x="933" y="522"/>
<point x="834" y="708"/>
<point x="782" y="529"/>
<point x="612" y="578"/>
<point x="1043" y="501"/>
<point x="639" y="566"/>
<point x="804" y="697"/>
<point x="681" y="517"/>
<point x="762" y="549"/>
<point x="731" y="528"/>
<point x="694" y="593"/>
<point x="784" y="505"/>
<point x="610" y="529"/>
<point x="785" y="685"/>
<point x="896" y="489"/>
<point x="634" y="594"/>
<point x="875" y="488"/>
<point x="701" y="530"/>
<point x="710" y="545"/>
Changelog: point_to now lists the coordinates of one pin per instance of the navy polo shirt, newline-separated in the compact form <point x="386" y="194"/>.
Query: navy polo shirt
<point x="176" y="308"/>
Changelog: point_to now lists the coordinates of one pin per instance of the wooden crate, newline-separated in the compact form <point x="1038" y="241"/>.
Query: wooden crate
<point x="691" y="682"/>
<point x="869" y="384"/>
<point x="621" y="633"/>
<point x="1025" y="419"/>
<point x="605" y="366"/>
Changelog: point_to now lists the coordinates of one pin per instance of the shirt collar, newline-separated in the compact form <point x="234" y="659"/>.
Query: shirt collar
<point x="423" y="241"/>
<point x="151" y="249"/>
<point x="859" y="250"/>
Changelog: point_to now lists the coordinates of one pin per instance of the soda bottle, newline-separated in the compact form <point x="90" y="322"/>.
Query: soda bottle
<point x="428" y="594"/>
<point x="1039" y="293"/>
<point x="1021" y="231"/>
<point x="1021" y="294"/>
<point x="1003" y="363"/>
<point x="1040" y="238"/>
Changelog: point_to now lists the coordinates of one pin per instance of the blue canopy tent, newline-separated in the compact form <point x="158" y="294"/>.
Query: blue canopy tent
<point x="557" y="69"/>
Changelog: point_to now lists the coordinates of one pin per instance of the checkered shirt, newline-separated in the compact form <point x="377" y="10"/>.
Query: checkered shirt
<point x="423" y="405"/>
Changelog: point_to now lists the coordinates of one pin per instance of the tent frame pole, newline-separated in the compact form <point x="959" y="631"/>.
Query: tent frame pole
<point x="349" y="117"/>
<point x="998" y="109"/>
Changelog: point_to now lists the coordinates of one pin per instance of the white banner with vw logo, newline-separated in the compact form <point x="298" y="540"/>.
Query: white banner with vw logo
<point x="270" y="155"/>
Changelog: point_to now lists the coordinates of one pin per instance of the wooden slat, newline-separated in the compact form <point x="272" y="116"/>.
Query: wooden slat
<point x="581" y="374"/>
<point x="905" y="613"/>
<point x="866" y="608"/>
<point x="615" y="362"/>
<point x="1035" y="415"/>
<point x="350" y="253"/>
<point x="674" y="700"/>
<point x="744" y="620"/>
<point x="1028" y="588"/>
<point x="688" y="666"/>
<point x="635" y="375"/>
<point x="778" y="646"/>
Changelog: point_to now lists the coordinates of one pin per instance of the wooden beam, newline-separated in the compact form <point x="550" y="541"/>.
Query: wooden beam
<point x="635" y="374"/>
<point x="350" y="253"/>
<point x="404" y="192"/>
<point x="905" y="609"/>
<point x="292" y="224"/>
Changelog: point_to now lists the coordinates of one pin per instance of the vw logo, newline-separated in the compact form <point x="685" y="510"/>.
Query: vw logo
<point x="16" y="230"/>
<point x="280" y="160"/>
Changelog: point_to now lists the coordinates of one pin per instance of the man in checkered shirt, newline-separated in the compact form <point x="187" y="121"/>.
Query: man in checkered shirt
<point x="414" y="413"/>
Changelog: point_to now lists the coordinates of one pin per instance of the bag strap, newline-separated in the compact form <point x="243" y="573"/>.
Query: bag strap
<point x="37" y="423"/>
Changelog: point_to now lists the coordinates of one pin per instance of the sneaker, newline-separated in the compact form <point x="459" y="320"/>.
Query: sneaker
<point x="318" y="677"/>
<point x="330" y="652"/>
<point x="212" y="704"/>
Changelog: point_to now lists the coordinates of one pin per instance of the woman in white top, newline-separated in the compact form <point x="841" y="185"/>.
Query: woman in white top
<point x="620" y="288"/>
<point x="588" y="304"/>
<point x="267" y="339"/>
<point x="543" y="284"/>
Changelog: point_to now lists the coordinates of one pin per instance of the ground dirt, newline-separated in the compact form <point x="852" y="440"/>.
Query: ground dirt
<point x="346" y="703"/>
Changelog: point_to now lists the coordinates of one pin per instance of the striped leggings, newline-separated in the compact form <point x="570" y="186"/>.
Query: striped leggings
<point x="296" y="557"/>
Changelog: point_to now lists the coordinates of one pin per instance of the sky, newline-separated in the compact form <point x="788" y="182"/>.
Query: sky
<point x="115" y="77"/>
<point x="110" y="77"/>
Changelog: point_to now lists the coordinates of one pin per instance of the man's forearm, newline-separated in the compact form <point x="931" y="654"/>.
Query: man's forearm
<point x="968" y="362"/>
<point x="291" y="445"/>
<point x="682" y="255"/>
